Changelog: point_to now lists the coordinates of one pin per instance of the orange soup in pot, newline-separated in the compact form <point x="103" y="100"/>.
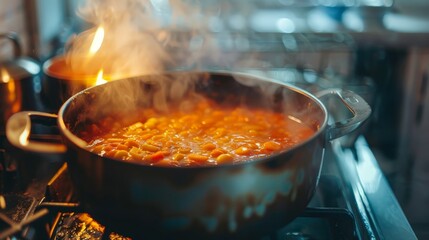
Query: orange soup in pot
<point x="208" y="134"/>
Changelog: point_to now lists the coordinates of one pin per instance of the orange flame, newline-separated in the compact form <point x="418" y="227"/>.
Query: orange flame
<point x="97" y="41"/>
<point x="100" y="80"/>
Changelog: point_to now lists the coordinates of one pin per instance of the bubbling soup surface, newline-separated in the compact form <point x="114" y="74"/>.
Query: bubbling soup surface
<point x="205" y="134"/>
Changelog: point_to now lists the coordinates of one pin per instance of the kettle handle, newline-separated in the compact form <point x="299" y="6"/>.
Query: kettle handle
<point x="13" y="37"/>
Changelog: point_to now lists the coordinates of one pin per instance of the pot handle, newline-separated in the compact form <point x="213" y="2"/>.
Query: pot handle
<point x="357" y="106"/>
<point x="18" y="128"/>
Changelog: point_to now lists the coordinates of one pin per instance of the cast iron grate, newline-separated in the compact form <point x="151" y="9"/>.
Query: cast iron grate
<point x="15" y="215"/>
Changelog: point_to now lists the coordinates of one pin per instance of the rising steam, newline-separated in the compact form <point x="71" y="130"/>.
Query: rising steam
<point x="132" y="38"/>
<point x="140" y="37"/>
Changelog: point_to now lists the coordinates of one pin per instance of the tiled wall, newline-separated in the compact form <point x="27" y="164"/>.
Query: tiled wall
<point x="12" y="18"/>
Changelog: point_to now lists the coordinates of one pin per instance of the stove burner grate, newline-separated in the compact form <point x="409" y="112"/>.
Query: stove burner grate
<point x="15" y="214"/>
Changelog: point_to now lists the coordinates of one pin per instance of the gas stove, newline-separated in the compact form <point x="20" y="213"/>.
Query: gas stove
<point x="352" y="201"/>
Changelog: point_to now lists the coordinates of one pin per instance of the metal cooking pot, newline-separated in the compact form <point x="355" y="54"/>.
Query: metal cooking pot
<point x="19" y="82"/>
<point x="60" y="81"/>
<point x="235" y="201"/>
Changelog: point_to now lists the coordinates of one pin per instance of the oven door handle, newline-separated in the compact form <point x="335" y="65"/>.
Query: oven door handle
<point x="355" y="104"/>
<point x="18" y="132"/>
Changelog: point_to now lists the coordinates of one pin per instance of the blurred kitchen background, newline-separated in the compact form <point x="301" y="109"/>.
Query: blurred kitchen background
<point x="378" y="48"/>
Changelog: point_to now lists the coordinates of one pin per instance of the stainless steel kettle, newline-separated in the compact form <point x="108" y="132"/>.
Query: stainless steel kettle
<point x="20" y="82"/>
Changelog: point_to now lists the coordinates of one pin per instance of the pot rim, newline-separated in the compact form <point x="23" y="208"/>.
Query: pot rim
<point x="79" y="143"/>
<point x="64" y="77"/>
<point x="86" y="78"/>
